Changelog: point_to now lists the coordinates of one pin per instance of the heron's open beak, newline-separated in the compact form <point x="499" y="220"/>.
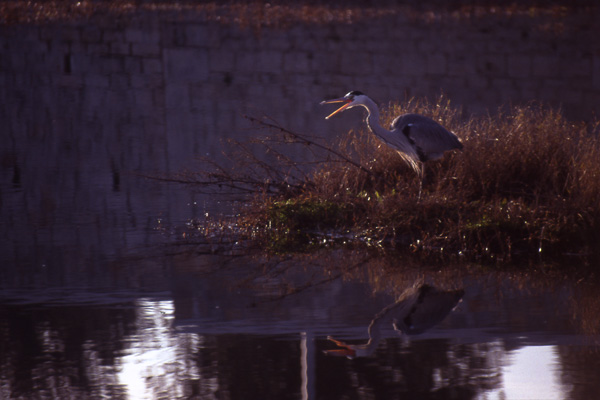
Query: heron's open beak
<point x="342" y="108"/>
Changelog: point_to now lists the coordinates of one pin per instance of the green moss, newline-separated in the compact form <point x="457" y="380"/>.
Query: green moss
<point x="308" y="214"/>
<point x="286" y="241"/>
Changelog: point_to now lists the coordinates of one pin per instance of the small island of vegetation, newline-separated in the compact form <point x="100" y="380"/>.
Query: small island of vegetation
<point x="527" y="182"/>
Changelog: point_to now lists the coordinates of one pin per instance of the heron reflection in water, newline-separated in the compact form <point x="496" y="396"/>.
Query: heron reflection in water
<point x="418" y="309"/>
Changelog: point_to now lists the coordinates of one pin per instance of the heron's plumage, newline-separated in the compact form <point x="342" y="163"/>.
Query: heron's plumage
<point x="430" y="138"/>
<point x="416" y="138"/>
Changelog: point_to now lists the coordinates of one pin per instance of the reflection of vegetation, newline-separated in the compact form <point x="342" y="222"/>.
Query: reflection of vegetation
<point x="579" y="376"/>
<point x="243" y="366"/>
<point x="69" y="351"/>
<point x="427" y="369"/>
<point x="585" y="305"/>
<point x="527" y="182"/>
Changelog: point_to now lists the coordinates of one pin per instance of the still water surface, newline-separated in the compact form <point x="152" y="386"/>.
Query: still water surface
<point x="100" y="297"/>
<point x="189" y="325"/>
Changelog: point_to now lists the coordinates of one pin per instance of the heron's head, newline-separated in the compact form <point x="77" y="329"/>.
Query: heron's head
<point x="352" y="99"/>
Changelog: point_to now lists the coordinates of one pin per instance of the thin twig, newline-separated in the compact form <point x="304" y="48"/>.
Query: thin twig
<point x="308" y="142"/>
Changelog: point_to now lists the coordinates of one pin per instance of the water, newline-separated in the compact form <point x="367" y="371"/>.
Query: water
<point x="102" y="297"/>
<point x="216" y="327"/>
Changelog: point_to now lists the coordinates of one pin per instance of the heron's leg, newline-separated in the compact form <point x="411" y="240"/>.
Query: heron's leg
<point x="421" y="180"/>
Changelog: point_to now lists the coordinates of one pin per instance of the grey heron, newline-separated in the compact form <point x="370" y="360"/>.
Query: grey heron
<point x="416" y="138"/>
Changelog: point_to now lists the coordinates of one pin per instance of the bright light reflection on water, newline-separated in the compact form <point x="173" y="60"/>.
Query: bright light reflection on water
<point x="151" y="363"/>
<point x="532" y="374"/>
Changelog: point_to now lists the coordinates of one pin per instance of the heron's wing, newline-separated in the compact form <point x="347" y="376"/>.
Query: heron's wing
<point x="430" y="138"/>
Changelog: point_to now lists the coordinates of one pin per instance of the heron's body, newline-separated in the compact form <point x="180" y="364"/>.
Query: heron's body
<point x="416" y="138"/>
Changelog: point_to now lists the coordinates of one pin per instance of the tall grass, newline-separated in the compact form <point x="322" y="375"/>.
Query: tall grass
<point x="527" y="181"/>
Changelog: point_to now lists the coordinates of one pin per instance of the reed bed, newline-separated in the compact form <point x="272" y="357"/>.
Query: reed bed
<point x="527" y="182"/>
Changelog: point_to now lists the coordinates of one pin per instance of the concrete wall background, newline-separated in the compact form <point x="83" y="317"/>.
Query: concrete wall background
<point x="189" y="76"/>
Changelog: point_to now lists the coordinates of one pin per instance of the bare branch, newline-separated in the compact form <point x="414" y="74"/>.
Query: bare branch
<point x="308" y="142"/>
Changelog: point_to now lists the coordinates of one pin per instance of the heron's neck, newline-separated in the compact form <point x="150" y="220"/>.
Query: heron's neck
<point x="398" y="142"/>
<point x="373" y="118"/>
